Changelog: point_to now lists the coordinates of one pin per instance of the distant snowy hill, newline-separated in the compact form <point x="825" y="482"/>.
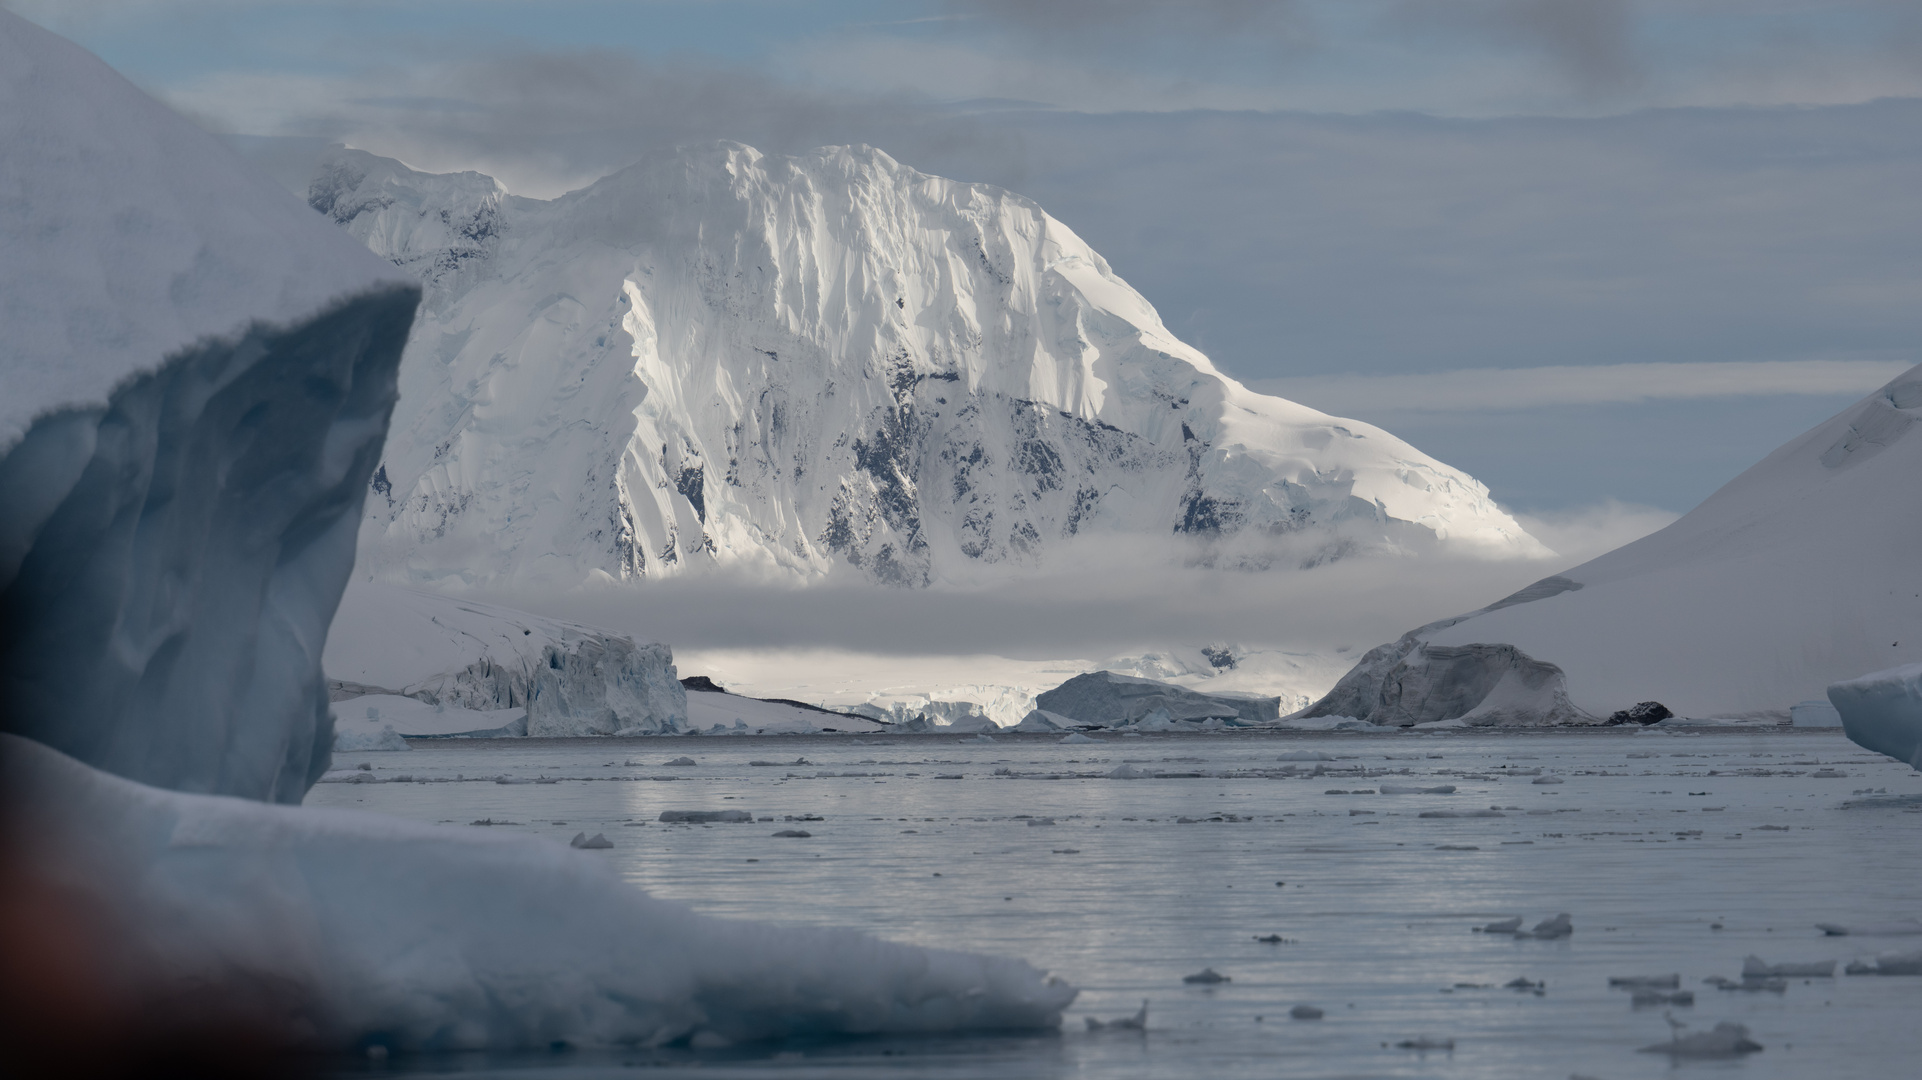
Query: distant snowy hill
<point x="1802" y="571"/>
<point x="783" y="364"/>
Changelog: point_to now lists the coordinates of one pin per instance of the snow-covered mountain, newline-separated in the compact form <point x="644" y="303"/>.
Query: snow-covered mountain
<point x="1802" y="571"/>
<point x="782" y="364"/>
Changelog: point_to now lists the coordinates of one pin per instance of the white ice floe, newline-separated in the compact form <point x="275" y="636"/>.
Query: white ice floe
<point x="359" y="719"/>
<point x="1077" y="737"/>
<point x="1726" y="1039"/>
<point x="440" y="938"/>
<point x="1416" y="789"/>
<point x="363" y="738"/>
<point x="1137" y="1022"/>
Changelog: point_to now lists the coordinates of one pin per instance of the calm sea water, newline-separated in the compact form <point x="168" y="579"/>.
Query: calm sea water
<point x="1651" y="842"/>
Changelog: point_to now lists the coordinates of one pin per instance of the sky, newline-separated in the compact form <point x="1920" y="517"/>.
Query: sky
<point x="1595" y="252"/>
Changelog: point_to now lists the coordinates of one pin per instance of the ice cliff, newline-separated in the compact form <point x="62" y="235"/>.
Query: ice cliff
<point x="786" y="364"/>
<point x="198" y="376"/>
<point x="1797" y="573"/>
<point x="571" y="679"/>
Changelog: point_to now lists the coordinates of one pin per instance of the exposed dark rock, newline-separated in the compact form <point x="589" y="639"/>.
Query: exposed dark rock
<point x="1647" y="712"/>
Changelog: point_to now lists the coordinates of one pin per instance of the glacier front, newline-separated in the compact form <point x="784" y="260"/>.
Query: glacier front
<point x="782" y="365"/>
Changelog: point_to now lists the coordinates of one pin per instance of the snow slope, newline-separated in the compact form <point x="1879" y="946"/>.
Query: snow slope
<point x="780" y="364"/>
<point x="570" y="679"/>
<point x="1802" y="571"/>
<point x="197" y="380"/>
<point x="364" y="929"/>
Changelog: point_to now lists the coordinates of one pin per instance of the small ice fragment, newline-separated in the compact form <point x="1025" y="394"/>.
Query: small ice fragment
<point x="797" y="833"/>
<point x="1643" y="999"/>
<point x="598" y="841"/>
<point x="702" y="817"/>
<point x="1726" y="1040"/>
<point x="1754" y="968"/>
<point x="1521" y="982"/>
<point x="1125" y="771"/>
<point x="1414" y="789"/>
<point x="1504" y="926"/>
<point x="682" y="761"/>
<point x="1547" y="780"/>
<point x="1549" y="929"/>
<point x="1208" y="976"/>
<point x="1645" y="982"/>
<point x="1456" y="847"/>
<point x="1077" y="737"/>
<point x="984" y="738"/>
<point x="1305" y="755"/>
<point x="1423" y="1042"/>
<point x="1899" y="928"/>
<point x="1137" y="1022"/>
<point x="1889" y="964"/>
<point x="1033" y="821"/>
<point x="1304" y="1012"/>
<point x="1273" y="939"/>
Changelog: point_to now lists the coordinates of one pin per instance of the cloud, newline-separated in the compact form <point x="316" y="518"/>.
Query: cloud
<point x="1495" y="389"/>
<point x="1592" y="43"/>
<point x="1581" y="533"/>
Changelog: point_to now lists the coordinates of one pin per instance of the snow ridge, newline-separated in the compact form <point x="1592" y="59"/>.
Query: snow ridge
<point x="781" y="364"/>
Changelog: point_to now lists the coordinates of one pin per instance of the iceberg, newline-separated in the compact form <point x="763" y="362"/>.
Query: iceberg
<point x="354" y="918"/>
<point x="198" y="376"/>
<point x="1882" y="711"/>
<point x="1112" y="700"/>
<point x="569" y="679"/>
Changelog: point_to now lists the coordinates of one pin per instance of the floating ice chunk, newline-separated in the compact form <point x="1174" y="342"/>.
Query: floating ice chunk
<point x="1206" y="976"/>
<point x="1504" y="926"/>
<point x="1645" y="999"/>
<point x="1899" y="928"/>
<point x="1490" y="813"/>
<point x="1273" y="939"/>
<point x="798" y="834"/>
<point x="1522" y="983"/>
<point x="1889" y="964"/>
<point x="702" y="817"/>
<point x="1304" y="1012"/>
<point x="1305" y="755"/>
<point x="1137" y="1022"/>
<point x="1034" y="821"/>
<point x="1423" y="1042"/>
<point x="1077" y="737"/>
<point x="1770" y="985"/>
<point x="1882" y="711"/>
<point x="1416" y="789"/>
<point x="681" y="761"/>
<point x="1550" y="779"/>
<point x="1645" y="982"/>
<point x="1548" y="929"/>
<point x="983" y="738"/>
<point x="1452" y="724"/>
<point x="1125" y="771"/>
<point x="597" y="842"/>
<point x="1754" y="968"/>
<point x="1724" y="1040"/>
